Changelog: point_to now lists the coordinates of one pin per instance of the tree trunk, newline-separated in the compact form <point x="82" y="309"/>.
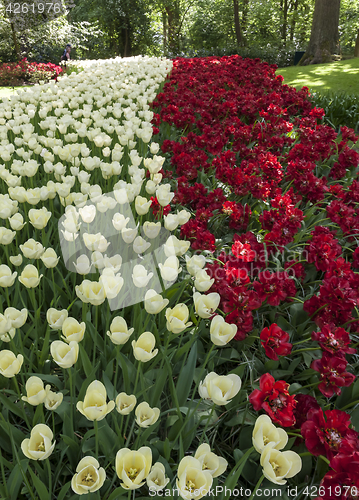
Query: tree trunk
<point x="245" y="9"/>
<point x="173" y="19"/>
<point x="164" y="22"/>
<point x="356" y="49"/>
<point x="126" y="42"/>
<point x="294" y="20"/>
<point x="324" y="38"/>
<point x="16" y="43"/>
<point x="237" y="24"/>
<point x="285" y="21"/>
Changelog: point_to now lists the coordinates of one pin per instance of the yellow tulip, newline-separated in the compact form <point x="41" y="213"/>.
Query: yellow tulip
<point x="94" y="406"/>
<point x="89" y="476"/>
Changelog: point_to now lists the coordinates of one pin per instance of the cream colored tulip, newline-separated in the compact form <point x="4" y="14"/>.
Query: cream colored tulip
<point x="56" y="318"/>
<point x="17" y="222"/>
<point x="83" y="265"/>
<point x="5" y="324"/>
<point x="38" y="446"/>
<point x="94" y="405"/>
<point x="119" y="332"/>
<point x="145" y="415"/>
<point x="114" y="263"/>
<point x="156" y="479"/>
<point x="154" y="302"/>
<point x="152" y="229"/>
<point x="203" y="281"/>
<point x="164" y="195"/>
<point x="143" y="347"/>
<point x="279" y="465"/>
<point x="111" y="282"/>
<point x="89" y="476"/>
<point x="206" y="305"/>
<point x="125" y="403"/>
<point x="32" y="249"/>
<point x="10" y="364"/>
<point x="88" y="213"/>
<point x="220" y="388"/>
<point x="6" y="277"/>
<point x="119" y="221"/>
<point x="72" y="330"/>
<point x="265" y="432"/>
<point x="50" y="258"/>
<point x="30" y="276"/>
<point x="98" y="260"/>
<point x="221" y="332"/>
<point x="177" y="318"/>
<point x="92" y="241"/>
<point x="171" y="222"/>
<point x="128" y="234"/>
<point x="214" y="464"/>
<point x="192" y="482"/>
<point x="35" y="391"/>
<point x="142" y="205"/>
<point x="91" y="292"/>
<point x="6" y="236"/>
<point x="39" y="218"/>
<point x="16" y="317"/>
<point x="195" y="264"/>
<point x="140" y="276"/>
<point x="53" y="399"/>
<point x="133" y="467"/>
<point x="170" y="269"/>
<point x="174" y="246"/>
<point x="183" y="217"/>
<point x="16" y="260"/>
<point x="140" y="245"/>
<point x="8" y="336"/>
<point x="65" y="355"/>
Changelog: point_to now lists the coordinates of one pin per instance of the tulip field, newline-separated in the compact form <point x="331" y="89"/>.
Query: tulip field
<point x="179" y="286"/>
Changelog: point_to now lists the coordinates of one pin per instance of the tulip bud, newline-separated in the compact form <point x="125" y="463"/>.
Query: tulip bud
<point x="65" y="355"/>
<point x="94" y="406"/>
<point x="89" y="476"/>
<point x="39" y="446"/>
<point x="125" y="403"/>
<point x="143" y="347"/>
<point x="154" y="303"/>
<point x="146" y="416"/>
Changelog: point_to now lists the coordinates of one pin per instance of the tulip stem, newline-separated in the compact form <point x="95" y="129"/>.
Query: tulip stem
<point x="95" y="423"/>
<point x="23" y="405"/>
<point x="50" y="475"/>
<point x="207" y="424"/>
<point x="96" y="333"/>
<point x="256" y="487"/>
<point x="117" y="351"/>
<point x="305" y="349"/>
<point x="7" y="296"/>
<point x="324" y="459"/>
<point x="71" y="394"/>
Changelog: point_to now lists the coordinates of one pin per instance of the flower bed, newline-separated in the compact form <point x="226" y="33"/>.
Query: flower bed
<point x="149" y="352"/>
<point x="28" y="72"/>
<point x="273" y="194"/>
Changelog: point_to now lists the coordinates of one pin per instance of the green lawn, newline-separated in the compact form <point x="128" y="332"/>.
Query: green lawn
<point x="340" y="76"/>
<point x="8" y="91"/>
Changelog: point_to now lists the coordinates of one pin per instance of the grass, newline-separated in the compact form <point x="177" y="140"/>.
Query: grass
<point x="8" y="91"/>
<point x="339" y="76"/>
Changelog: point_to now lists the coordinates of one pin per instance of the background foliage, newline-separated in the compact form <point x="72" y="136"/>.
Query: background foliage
<point x="270" y="30"/>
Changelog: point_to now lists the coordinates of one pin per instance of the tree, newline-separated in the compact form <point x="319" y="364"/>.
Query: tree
<point x="237" y="23"/>
<point x="356" y="48"/>
<point x="324" y="38"/>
